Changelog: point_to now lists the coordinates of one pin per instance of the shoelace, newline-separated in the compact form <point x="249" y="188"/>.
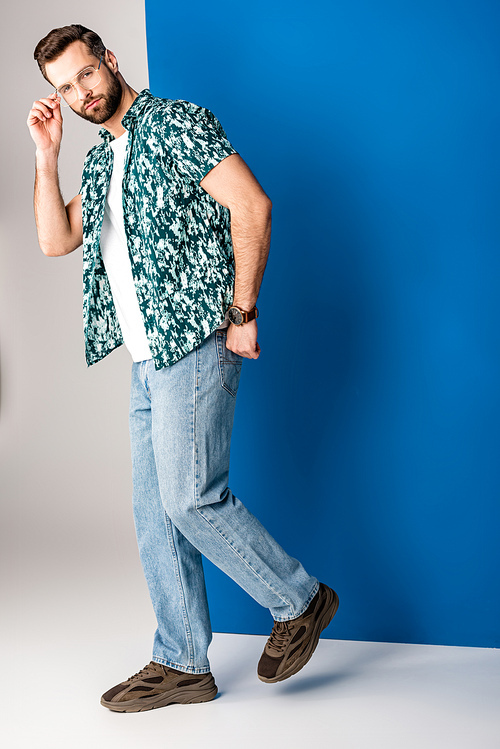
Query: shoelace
<point x="278" y="639"/>
<point x="142" y="672"/>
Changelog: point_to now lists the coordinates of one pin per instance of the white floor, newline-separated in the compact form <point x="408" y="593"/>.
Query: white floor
<point x="351" y="695"/>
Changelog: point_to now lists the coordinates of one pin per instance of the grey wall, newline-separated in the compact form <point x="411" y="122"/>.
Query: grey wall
<point x="65" y="467"/>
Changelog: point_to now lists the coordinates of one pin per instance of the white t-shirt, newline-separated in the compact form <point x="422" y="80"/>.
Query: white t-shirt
<point x="117" y="262"/>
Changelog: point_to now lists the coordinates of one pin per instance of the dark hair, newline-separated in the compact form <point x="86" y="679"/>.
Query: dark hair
<point x="53" y="45"/>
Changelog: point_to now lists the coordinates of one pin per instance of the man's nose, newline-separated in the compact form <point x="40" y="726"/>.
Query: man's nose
<point x="81" y="92"/>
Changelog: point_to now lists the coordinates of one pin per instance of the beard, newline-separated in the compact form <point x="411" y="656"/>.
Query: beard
<point x="109" y="103"/>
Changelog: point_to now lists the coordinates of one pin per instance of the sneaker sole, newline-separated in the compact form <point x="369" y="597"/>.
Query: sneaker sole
<point x="326" y="617"/>
<point x="183" y="696"/>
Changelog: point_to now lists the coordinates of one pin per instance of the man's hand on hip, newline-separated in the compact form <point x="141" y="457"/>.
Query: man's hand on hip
<point x="242" y="339"/>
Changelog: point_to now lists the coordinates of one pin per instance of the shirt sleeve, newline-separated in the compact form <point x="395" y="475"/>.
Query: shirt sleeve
<point x="196" y="140"/>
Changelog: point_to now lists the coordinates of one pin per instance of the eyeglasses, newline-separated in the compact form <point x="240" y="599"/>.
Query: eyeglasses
<point x="88" y="78"/>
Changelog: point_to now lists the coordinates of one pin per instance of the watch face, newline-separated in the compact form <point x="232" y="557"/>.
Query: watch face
<point x="235" y="316"/>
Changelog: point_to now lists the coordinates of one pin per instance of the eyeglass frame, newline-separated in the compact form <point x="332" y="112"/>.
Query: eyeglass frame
<point x="70" y="83"/>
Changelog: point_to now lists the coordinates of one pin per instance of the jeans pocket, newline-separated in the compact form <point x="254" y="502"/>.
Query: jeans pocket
<point x="229" y="364"/>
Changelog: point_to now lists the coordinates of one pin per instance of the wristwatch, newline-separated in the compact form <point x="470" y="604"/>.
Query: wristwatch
<point x="239" y="316"/>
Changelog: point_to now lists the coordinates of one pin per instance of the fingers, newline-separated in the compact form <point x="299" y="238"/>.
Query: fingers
<point x="247" y="351"/>
<point x="44" y="109"/>
<point x="248" y="354"/>
<point x="252" y="354"/>
<point x="242" y="340"/>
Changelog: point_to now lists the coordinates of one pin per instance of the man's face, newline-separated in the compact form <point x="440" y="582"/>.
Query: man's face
<point x="96" y="105"/>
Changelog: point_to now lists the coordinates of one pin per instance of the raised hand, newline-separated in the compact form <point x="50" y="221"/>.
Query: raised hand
<point x="45" y="123"/>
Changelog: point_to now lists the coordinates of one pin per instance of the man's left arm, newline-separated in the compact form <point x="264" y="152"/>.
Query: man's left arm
<point x="232" y="184"/>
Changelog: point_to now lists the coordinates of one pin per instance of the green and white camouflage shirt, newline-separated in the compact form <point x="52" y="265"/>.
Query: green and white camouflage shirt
<point x="178" y="236"/>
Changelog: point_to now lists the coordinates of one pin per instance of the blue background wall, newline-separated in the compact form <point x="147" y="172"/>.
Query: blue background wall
<point x="367" y="435"/>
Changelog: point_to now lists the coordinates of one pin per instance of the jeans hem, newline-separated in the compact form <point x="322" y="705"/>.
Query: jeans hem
<point x="178" y="667"/>
<point x="304" y="607"/>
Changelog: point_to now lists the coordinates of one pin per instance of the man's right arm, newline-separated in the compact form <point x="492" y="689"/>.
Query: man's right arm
<point x="59" y="227"/>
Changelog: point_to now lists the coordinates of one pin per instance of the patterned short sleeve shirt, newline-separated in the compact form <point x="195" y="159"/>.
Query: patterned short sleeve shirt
<point x="178" y="236"/>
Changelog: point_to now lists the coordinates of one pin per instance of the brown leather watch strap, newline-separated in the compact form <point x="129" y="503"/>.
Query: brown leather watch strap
<point x="251" y="315"/>
<point x="246" y="315"/>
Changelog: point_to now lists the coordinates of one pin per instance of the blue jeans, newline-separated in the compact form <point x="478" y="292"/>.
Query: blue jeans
<point x="181" y="419"/>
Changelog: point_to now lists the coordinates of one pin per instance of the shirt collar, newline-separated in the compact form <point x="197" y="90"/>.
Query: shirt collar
<point x="133" y="112"/>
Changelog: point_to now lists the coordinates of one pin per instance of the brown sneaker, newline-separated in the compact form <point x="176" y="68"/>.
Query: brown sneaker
<point x="293" y="642"/>
<point x="157" y="686"/>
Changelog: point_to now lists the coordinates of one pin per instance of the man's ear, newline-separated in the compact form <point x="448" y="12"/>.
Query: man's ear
<point x="111" y="61"/>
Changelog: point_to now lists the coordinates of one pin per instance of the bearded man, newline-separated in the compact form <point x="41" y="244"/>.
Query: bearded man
<point x="175" y="231"/>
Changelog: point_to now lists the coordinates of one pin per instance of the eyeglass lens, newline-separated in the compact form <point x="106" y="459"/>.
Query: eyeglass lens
<point x="87" y="79"/>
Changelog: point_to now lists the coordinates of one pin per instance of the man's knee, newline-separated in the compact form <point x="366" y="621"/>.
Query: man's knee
<point x="182" y="508"/>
